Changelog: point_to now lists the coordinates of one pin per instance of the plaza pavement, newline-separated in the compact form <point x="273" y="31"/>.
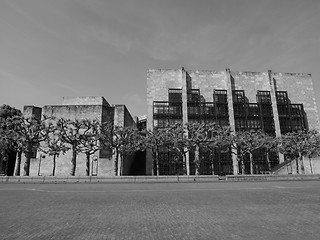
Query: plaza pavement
<point x="217" y="210"/>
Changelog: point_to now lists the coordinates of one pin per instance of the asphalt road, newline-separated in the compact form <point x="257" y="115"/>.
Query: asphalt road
<point x="222" y="210"/>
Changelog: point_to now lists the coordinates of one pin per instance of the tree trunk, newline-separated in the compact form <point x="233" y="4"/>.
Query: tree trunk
<point x="297" y="165"/>
<point x="54" y="165"/>
<point x="197" y="160"/>
<point x="219" y="161"/>
<point x="121" y="165"/>
<point x="184" y="160"/>
<point x="116" y="163"/>
<point x="157" y="163"/>
<point x="243" y="169"/>
<point x="88" y="164"/>
<point x="311" y="171"/>
<point x="18" y="164"/>
<point x="212" y="162"/>
<point x="251" y="163"/>
<point x="301" y="163"/>
<point x="268" y="161"/>
<point x="26" y="167"/>
<point x="5" y="158"/>
<point x="73" y="161"/>
<point x="39" y="166"/>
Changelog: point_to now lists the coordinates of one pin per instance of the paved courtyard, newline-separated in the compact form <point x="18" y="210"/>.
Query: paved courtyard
<point x="222" y="210"/>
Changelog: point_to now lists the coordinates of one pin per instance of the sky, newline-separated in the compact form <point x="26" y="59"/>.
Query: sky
<point x="55" y="48"/>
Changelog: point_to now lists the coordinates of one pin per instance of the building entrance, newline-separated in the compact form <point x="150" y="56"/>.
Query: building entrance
<point x="138" y="166"/>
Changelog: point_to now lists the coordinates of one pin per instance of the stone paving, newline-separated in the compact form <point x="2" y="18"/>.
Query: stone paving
<point x="222" y="210"/>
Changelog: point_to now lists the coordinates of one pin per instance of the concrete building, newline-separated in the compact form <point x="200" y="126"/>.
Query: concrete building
<point x="275" y="102"/>
<point x="92" y="108"/>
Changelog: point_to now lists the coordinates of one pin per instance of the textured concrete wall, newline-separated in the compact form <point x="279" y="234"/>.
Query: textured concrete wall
<point x="207" y="81"/>
<point x="92" y="108"/>
<point x="311" y="166"/>
<point x="298" y="85"/>
<point x="107" y="114"/>
<point x="251" y="82"/>
<point x="158" y="83"/>
<point x="123" y="118"/>
<point x="92" y="112"/>
<point x="29" y="111"/>
<point x="300" y="90"/>
<point x="63" y="163"/>
<point x="91" y="100"/>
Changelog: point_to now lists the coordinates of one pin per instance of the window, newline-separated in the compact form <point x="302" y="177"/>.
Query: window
<point x="282" y="97"/>
<point x="263" y="97"/>
<point x="238" y="96"/>
<point x="175" y="95"/>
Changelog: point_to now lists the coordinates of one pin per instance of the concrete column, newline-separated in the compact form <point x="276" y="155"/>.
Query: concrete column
<point x="273" y="89"/>
<point x="230" y="85"/>
<point x="185" y="111"/>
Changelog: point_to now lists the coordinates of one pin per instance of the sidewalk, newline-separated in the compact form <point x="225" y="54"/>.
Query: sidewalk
<point x="156" y="179"/>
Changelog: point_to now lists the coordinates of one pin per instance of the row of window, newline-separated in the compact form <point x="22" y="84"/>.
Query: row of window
<point x="290" y="110"/>
<point x="219" y="110"/>
<point x="247" y="115"/>
<point x="193" y="95"/>
<point x="161" y="123"/>
<point x="217" y="163"/>
<point x="167" y="110"/>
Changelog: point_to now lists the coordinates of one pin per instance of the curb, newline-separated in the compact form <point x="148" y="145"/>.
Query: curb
<point x="155" y="179"/>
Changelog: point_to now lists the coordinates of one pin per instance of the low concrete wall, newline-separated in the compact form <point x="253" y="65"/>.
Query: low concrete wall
<point x="157" y="179"/>
<point x="122" y="179"/>
<point x="275" y="177"/>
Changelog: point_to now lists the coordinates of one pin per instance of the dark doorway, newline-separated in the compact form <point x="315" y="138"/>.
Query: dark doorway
<point x="138" y="166"/>
<point x="7" y="164"/>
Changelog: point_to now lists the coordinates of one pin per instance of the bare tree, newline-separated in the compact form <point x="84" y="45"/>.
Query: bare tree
<point x="178" y="143"/>
<point x="120" y="140"/>
<point x="7" y="143"/>
<point x="298" y="144"/>
<point x="270" y="144"/>
<point x="155" y="140"/>
<point x="70" y="132"/>
<point x="198" y="137"/>
<point x="30" y="132"/>
<point x="53" y="146"/>
<point x="246" y="142"/>
<point x="220" y="139"/>
<point x="90" y="141"/>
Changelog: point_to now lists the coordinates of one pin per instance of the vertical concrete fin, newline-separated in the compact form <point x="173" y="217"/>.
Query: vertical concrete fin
<point x="230" y="100"/>
<point x="185" y="111"/>
<point x="231" y="86"/>
<point x="273" y="89"/>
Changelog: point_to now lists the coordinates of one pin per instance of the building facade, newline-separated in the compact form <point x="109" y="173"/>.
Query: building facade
<point x="78" y="108"/>
<point x="275" y="102"/>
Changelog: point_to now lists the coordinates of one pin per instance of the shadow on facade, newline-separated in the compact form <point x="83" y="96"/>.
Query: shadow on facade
<point x="7" y="164"/>
<point x="138" y="166"/>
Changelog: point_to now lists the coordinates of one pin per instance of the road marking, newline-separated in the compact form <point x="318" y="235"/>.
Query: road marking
<point x="149" y="190"/>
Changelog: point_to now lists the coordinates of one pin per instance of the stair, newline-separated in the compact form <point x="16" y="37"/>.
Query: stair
<point x="280" y="166"/>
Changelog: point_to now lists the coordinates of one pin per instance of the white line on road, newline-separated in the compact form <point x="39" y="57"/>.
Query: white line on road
<point x="149" y="190"/>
